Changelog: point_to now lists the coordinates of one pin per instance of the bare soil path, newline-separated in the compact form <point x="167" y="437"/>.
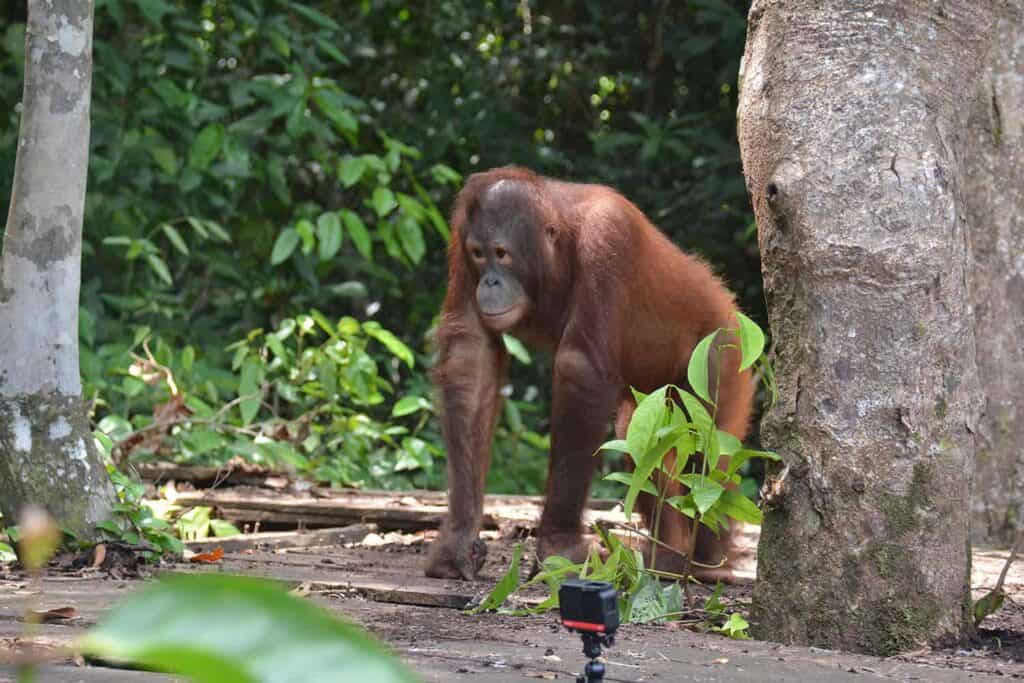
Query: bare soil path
<point x="371" y="575"/>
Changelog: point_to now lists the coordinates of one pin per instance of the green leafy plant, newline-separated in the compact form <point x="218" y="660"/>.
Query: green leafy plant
<point x="225" y="629"/>
<point x="134" y="522"/>
<point x="678" y="422"/>
<point x="673" y="420"/>
<point x="992" y="601"/>
<point x="643" y="597"/>
<point x="197" y="524"/>
<point x="308" y="396"/>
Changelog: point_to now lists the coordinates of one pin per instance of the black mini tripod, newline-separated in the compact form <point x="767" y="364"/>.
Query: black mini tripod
<point x="593" y="672"/>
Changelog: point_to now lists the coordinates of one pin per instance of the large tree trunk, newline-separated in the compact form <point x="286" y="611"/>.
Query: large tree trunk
<point x="994" y="195"/>
<point x="851" y="124"/>
<point x="47" y="455"/>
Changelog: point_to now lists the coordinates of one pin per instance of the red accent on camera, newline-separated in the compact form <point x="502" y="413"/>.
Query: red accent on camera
<point x="583" y="626"/>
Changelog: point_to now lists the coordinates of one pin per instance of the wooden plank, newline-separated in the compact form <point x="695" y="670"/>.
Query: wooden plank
<point x="441" y="497"/>
<point x="276" y="540"/>
<point x="387" y="510"/>
<point x="231" y="474"/>
<point x="244" y="474"/>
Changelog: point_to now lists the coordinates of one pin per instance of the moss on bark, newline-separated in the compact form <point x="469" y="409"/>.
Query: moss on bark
<point x="48" y="458"/>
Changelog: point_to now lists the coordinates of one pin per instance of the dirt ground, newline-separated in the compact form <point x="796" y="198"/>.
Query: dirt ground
<point x="375" y="578"/>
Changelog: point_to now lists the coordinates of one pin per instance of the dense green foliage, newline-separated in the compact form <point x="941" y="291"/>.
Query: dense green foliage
<point x="262" y="169"/>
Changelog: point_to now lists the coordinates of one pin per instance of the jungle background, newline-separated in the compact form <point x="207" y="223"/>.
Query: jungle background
<point x="261" y="167"/>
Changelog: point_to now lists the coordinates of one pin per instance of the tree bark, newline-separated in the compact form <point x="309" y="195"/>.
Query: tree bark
<point x="994" y="197"/>
<point x="851" y="123"/>
<point x="47" y="455"/>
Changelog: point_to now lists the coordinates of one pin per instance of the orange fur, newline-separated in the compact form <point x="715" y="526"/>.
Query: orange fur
<point x="617" y="303"/>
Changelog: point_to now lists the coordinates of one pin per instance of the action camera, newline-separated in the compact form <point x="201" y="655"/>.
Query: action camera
<point x="589" y="606"/>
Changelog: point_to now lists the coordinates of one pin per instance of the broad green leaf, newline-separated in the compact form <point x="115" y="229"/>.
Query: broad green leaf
<point x="154" y="10"/>
<point x="744" y="454"/>
<point x="414" y="455"/>
<point x="297" y="123"/>
<point x="279" y="44"/>
<point x="188" y="357"/>
<point x="346" y="326"/>
<point x="166" y="159"/>
<point x="751" y="341"/>
<point x="168" y="91"/>
<point x="7" y="553"/>
<point x="13" y="41"/>
<point x="332" y="51"/>
<point x="174" y="237"/>
<point x="284" y="246"/>
<point x="988" y="604"/>
<point x="206" y="147"/>
<point x="328" y="374"/>
<point x="505" y="587"/>
<point x="409" y="405"/>
<point x="648" y="601"/>
<point x="555" y="569"/>
<point x="198" y="226"/>
<point x="194" y="525"/>
<point x="705" y="493"/>
<point x="736" y="627"/>
<point x="675" y="601"/>
<point x="383" y="201"/>
<point x="305" y="230"/>
<point x="727" y="443"/>
<point x="699" y="415"/>
<point x="513" y="418"/>
<point x="350" y="170"/>
<point x="648" y="417"/>
<point x="351" y="289"/>
<point x="335" y="107"/>
<point x="410" y="235"/>
<point x="159" y="267"/>
<point x="697" y="370"/>
<point x="390" y="341"/>
<point x="275" y="345"/>
<point x="737" y="506"/>
<point x="637" y="395"/>
<point x="516" y="349"/>
<point x="222" y="529"/>
<point x="625" y="478"/>
<point x="328" y="235"/>
<point x="250" y="389"/>
<point x="278" y="182"/>
<point x="357" y="231"/>
<point x="315" y="16"/>
<point x="711" y="450"/>
<point x="189" y="180"/>
<point x="411" y="206"/>
<point x="683" y="504"/>
<point x="445" y="174"/>
<point x="439" y="223"/>
<point x="218" y="231"/>
<point x="214" y="628"/>
<point x="614" y="445"/>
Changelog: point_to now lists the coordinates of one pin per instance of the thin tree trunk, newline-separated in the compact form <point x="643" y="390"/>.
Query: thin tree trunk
<point x="47" y="455"/>
<point x="850" y="123"/>
<point x="994" y="195"/>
